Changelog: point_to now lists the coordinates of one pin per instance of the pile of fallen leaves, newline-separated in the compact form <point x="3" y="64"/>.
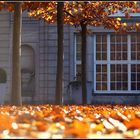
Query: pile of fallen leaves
<point x="70" y="121"/>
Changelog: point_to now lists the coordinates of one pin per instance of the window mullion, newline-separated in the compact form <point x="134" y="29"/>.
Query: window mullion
<point x="108" y="62"/>
<point x="75" y="60"/>
<point x="94" y="62"/>
<point x="129" y="60"/>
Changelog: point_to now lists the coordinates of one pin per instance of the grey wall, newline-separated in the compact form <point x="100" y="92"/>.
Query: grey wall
<point x="5" y="48"/>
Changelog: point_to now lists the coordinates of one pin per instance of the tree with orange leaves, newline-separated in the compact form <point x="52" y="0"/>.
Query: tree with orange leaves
<point x="97" y="14"/>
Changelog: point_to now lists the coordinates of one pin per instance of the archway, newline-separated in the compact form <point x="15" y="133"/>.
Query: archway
<point x="27" y="72"/>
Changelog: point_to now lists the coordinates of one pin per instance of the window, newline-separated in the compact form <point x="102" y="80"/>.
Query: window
<point x="117" y="63"/>
<point x="101" y="77"/>
<point x="118" y="72"/>
<point x="78" y="57"/>
<point x="135" y="57"/>
<point x="101" y="68"/>
<point x="118" y="47"/>
<point x="135" y="77"/>
<point x="119" y="77"/>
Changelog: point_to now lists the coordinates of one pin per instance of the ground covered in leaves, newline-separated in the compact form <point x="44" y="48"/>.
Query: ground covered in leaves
<point x="70" y="121"/>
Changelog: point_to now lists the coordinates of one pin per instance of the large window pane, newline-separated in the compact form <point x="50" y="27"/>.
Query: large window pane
<point x="135" y="46"/>
<point x="78" y="56"/>
<point x="119" y="76"/>
<point x="101" y="47"/>
<point x="101" y="77"/>
<point x="121" y="62"/>
<point x="118" y="47"/>
<point x="135" y="76"/>
<point x="78" y="47"/>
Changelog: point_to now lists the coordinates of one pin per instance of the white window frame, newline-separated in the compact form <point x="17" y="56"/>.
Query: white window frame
<point x="128" y="62"/>
<point x="109" y="62"/>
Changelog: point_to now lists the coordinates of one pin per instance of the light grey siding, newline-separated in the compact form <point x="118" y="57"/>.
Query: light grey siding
<point x="90" y="57"/>
<point x="5" y="49"/>
<point x="42" y="37"/>
<point x="51" y="59"/>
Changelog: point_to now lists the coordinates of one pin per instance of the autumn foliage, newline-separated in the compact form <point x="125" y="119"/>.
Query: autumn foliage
<point x="90" y="13"/>
<point x="70" y="121"/>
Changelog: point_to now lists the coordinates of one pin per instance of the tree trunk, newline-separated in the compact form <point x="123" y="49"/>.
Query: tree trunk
<point x="60" y="54"/>
<point x="16" y="57"/>
<point x="83" y="59"/>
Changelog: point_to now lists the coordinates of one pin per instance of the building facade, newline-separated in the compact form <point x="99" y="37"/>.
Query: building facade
<point x="113" y="62"/>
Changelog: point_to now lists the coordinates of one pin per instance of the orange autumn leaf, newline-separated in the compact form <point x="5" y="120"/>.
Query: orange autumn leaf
<point x="78" y="128"/>
<point x="98" y="127"/>
<point x="41" y="126"/>
<point x="133" y="124"/>
<point x="5" y="122"/>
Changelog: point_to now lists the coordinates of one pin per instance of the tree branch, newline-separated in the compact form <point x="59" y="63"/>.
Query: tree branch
<point x="69" y="13"/>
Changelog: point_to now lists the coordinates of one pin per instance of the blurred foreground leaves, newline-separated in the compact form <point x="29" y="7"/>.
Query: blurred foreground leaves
<point x="70" y="121"/>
